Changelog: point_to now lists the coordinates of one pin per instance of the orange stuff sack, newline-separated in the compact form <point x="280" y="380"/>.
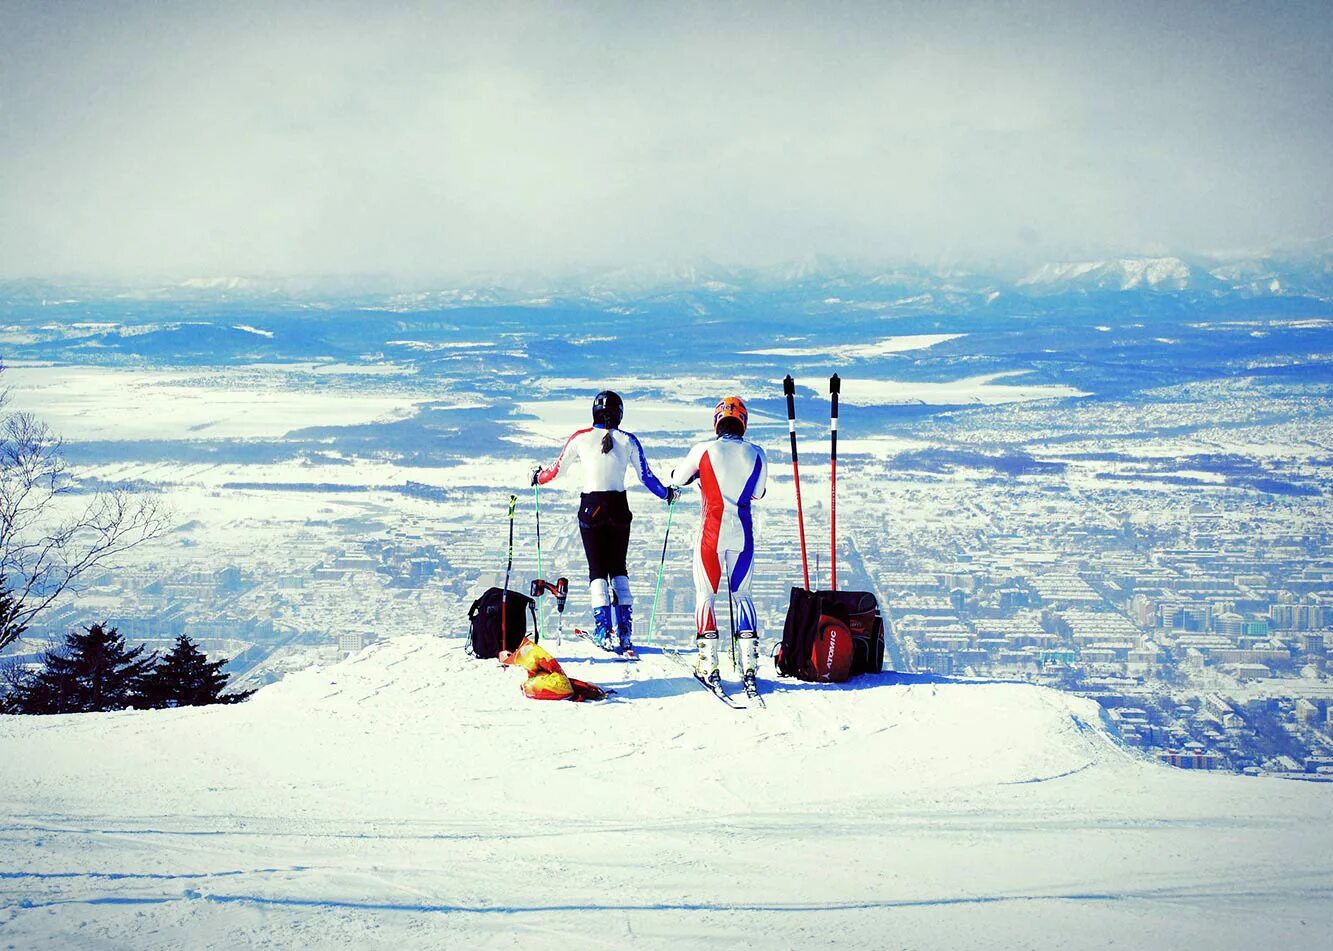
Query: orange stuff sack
<point x="546" y="680"/>
<point x="586" y="691"/>
<point x="551" y="685"/>
<point x="533" y="658"/>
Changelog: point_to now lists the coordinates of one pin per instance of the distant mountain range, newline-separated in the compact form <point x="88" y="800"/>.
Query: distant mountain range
<point x="1305" y="271"/>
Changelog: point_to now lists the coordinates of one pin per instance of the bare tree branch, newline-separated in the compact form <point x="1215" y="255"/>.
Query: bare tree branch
<point x="43" y="555"/>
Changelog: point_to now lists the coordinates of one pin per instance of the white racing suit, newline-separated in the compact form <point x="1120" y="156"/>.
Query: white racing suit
<point x="731" y="473"/>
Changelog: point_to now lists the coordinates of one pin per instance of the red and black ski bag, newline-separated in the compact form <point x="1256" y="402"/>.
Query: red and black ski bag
<point x="816" y="641"/>
<point x="830" y="636"/>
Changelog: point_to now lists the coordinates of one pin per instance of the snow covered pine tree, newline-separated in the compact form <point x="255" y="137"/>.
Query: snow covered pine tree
<point x="92" y="672"/>
<point x="185" y="677"/>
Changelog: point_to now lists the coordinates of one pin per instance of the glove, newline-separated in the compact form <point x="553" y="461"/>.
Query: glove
<point x="536" y="471"/>
<point x="673" y="493"/>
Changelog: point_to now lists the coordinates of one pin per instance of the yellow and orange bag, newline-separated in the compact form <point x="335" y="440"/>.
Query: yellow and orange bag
<point x="546" y="680"/>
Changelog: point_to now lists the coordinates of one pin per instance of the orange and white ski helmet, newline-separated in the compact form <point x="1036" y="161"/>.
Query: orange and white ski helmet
<point x="731" y="407"/>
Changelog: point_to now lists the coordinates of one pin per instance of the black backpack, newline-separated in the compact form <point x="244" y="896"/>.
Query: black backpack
<point x="494" y="613"/>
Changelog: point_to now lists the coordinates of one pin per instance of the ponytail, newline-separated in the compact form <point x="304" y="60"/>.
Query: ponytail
<point x="606" y="442"/>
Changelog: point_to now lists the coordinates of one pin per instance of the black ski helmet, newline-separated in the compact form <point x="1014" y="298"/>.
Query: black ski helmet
<point x="608" y="409"/>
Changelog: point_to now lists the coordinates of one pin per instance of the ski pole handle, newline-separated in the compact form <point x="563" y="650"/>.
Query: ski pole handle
<point x="834" y="388"/>
<point x="513" y="504"/>
<point x="789" y="388"/>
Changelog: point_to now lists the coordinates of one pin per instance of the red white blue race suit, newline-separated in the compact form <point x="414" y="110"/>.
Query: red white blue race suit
<point x="604" y="515"/>
<point x="731" y="473"/>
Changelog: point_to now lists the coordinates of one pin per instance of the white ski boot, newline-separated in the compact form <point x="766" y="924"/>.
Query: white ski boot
<point x="748" y="642"/>
<point x="706" y="666"/>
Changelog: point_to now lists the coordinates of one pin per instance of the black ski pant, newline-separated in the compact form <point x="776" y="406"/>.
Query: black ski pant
<point x="604" y="519"/>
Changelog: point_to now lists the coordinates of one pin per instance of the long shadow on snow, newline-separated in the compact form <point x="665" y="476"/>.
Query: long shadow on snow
<point x="678" y="684"/>
<point x="889" y="678"/>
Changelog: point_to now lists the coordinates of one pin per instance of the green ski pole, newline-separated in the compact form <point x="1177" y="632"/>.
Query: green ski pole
<point x="652" y="617"/>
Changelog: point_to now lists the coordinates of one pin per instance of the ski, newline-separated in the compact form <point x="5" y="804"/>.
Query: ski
<point x="752" y="691"/>
<point x="715" y="689"/>
<point x="627" y="656"/>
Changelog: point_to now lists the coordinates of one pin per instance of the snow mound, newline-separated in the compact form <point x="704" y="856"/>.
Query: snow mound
<point x="411" y="797"/>
<point x="418" y="706"/>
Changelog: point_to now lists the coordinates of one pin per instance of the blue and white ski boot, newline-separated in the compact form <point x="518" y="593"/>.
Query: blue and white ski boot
<point x="625" y="630"/>
<point x="603" y="633"/>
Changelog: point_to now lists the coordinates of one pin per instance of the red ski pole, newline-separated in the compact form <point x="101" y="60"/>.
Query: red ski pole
<point x="834" y="385"/>
<point x="789" y="388"/>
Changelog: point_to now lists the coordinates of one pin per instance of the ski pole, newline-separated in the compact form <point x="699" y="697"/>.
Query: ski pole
<point x="652" y="616"/>
<point x="537" y="509"/>
<point x="504" y="594"/>
<point x="731" y="616"/>
<point x="834" y="385"/>
<point x="789" y="388"/>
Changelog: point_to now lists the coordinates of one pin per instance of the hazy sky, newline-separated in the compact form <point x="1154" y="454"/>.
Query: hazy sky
<point x="431" y="139"/>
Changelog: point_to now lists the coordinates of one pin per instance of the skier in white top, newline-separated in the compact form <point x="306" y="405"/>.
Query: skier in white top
<point x="731" y="473"/>
<point x="603" y="452"/>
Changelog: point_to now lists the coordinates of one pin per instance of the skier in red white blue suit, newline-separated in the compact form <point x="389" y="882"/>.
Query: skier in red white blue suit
<point x="602" y="453"/>
<point x="731" y="473"/>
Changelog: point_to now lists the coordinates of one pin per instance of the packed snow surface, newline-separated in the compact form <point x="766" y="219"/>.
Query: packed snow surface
<point x="411" y="797"/>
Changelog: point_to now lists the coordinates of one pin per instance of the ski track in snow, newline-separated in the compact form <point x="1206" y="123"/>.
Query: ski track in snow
<point x="411" y="796"/>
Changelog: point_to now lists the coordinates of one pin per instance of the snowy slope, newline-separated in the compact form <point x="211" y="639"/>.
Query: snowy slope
<point x="410" y="796"/>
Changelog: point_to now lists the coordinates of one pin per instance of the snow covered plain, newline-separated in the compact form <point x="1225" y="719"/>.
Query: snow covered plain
<point x="412" y="797"/>
<point x="879" y="348"/>
<point x="87" y="403"/>
<point x="970" y="390"/>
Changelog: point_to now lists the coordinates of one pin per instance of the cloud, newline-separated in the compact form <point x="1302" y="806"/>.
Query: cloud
<point x="438" y="139"/>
